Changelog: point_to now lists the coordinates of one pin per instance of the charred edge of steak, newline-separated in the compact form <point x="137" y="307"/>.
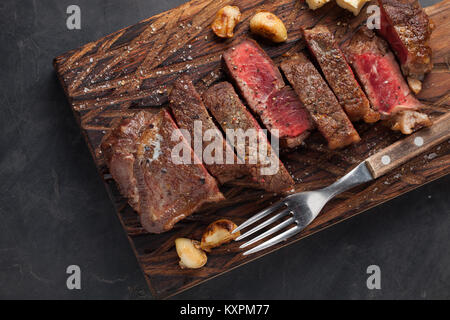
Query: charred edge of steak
<point x="338" y="74"/>
<point x="229" y="111"/>
<point x="261" y="84"/>
<point x="162" y="192"/>
<point x="408" y="30"/>
<point x="187" y="108"/>
<point x="320" y="101"/>
<point x="118" y="149"/>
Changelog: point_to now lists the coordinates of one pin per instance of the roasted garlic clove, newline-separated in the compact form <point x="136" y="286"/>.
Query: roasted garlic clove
<point x="269" y="26"/>
<point x="218" y="233"/>
<point x="316" y="4"/>
<point x="415" y="85"/>
<point x="226" y="20"/>
<point x="354" y="6"/>
<point x="191" y="256"/>
<point x="408" y="121"/>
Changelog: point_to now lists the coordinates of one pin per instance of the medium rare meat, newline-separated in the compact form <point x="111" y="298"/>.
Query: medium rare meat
<point x="253" y="71"/>
<point x="408" y="29"/>
<point x="228" y="110"/>
<point x="320" y="101"/>
<point x="286" y="113"/>
<point x="138" y="154"/>
<point x="382" y="80"/>
<point x="338" y="74"/>
<point x="262" y="86"/>
<point x="190" y="114"/>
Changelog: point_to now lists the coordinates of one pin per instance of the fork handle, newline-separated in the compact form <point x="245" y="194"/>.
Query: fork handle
<point x="410" y="147"/>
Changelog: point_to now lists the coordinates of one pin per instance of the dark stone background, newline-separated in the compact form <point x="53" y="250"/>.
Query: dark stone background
<point x="54" y="210"/>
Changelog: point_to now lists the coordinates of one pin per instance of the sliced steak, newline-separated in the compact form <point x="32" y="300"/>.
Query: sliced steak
<point x="286" y="113"/>
<point x="382" y="80"/>
<point x="255" y="74"/>
<point x="320" y="101"/>
<point x="229" y="111"/>
<point x="262" y="86"/>
<point x="138" y="153"/>
<point x="190" y="114"/>
<point x="338" y="74"/>
<point x="408" y="29"/>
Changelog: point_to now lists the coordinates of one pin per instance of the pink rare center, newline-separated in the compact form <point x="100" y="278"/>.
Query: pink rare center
<point x="384" y="84"/>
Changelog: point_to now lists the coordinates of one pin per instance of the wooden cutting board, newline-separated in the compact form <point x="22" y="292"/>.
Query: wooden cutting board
<point x="131" y="69"/>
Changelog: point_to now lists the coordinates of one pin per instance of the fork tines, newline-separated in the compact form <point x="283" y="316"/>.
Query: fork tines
<point x="281" y="237"/>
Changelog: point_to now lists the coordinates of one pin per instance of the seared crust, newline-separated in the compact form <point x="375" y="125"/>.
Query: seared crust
<point x="187" y="107"/>
<point x="338" y="74"/>
<point x="365" y="40"/>
<point x="161" y="191"/>
<point x="408" y="30"/>
<point x="118" y="149"/>
<point x="226" y="107"/>
<point x="320" y="101"/>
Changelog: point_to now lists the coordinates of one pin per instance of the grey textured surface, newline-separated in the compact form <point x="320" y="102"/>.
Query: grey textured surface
<point x="54" y="210"/>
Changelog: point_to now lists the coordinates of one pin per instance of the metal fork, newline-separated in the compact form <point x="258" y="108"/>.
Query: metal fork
<point x="302" y="208"/>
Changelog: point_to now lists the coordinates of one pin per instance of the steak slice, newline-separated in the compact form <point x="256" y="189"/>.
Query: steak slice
<point x="253" y="71"/>
<point x="262" y="86"/>
<point x="320" y="101"/>
<point x="286" y="113"/>
<point x="382" y="80"/>
<point x="190" y="114"/>
<point x="407" y="28"/>
<point x="138" y="153"/>
<point x="338" y="74"/>
<point x="226" y="107"/>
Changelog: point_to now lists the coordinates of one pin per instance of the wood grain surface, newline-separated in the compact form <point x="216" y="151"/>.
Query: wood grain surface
<point x="132" y="69"/>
